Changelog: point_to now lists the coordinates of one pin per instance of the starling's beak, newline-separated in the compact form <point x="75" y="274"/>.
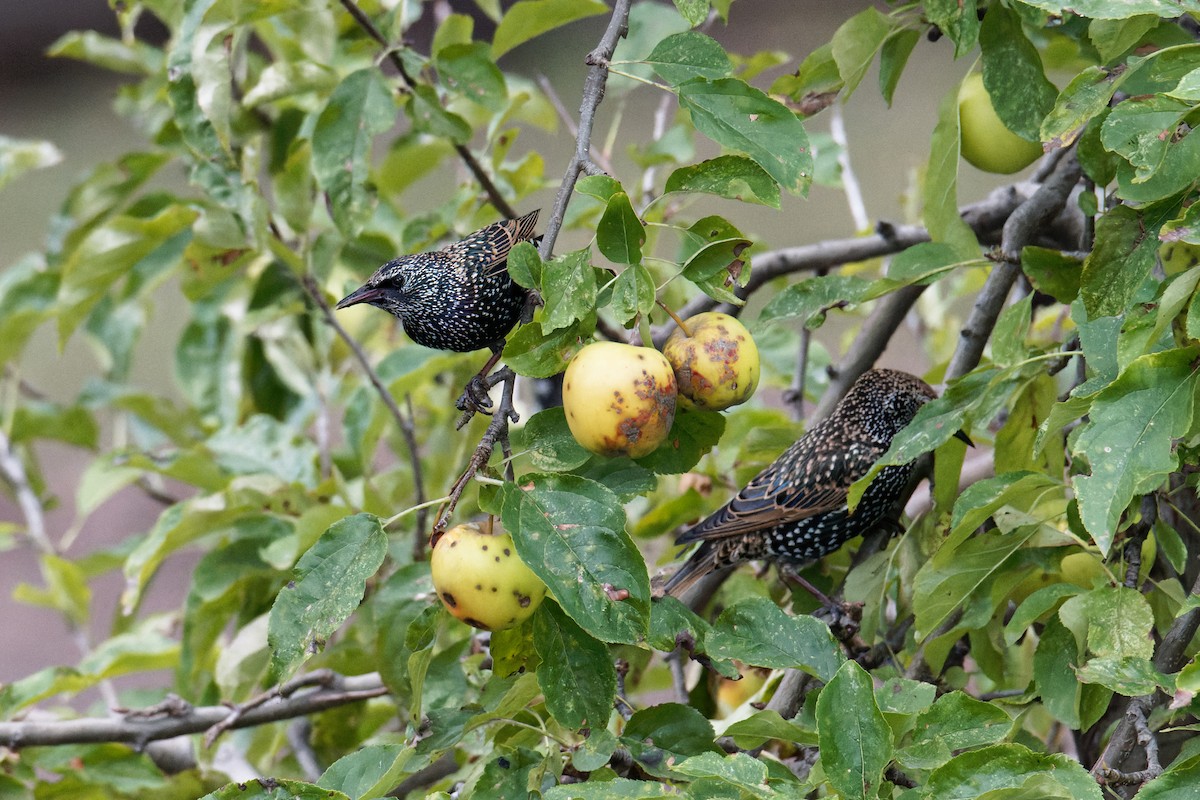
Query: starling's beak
<point x="960" y="435"/>
<point x="363" y="294"/>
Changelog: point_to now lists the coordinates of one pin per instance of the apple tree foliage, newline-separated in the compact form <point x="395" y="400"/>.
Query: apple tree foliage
<point x="1024" y="635"/>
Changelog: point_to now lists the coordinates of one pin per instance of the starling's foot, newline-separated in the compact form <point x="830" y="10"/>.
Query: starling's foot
<point x="474" y="398"/>
<point x="843" y="618"/>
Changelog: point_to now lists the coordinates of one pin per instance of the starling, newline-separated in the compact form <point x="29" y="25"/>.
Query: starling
<point x="795" y="510"/>
<point x="459" y="298"/>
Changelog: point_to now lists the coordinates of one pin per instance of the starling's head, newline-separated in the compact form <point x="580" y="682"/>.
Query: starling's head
<point x="883" y="401"/>
<point x="389" y="288"/>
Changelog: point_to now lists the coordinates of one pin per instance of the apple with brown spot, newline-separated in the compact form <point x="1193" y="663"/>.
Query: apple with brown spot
<point x="619" y="399"/>
<point x="715" y="360"/>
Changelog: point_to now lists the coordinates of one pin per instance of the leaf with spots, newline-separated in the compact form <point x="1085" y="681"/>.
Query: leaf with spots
<point x="328" y="585"/>
<point x="760" y="633"/>
<point x="1129" y="438"/>
<point x="571" y="532"/>
<point x="576" y="675"/>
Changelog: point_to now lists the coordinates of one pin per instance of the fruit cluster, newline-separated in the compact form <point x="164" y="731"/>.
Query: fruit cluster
<point x="620" y="399"/>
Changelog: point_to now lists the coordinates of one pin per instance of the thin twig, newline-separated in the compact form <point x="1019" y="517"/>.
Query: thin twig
<point x="496" y="433"/>
<point x="464" y="153"/>
<point x="593" y="93"/>
<point x="595" y="155"/>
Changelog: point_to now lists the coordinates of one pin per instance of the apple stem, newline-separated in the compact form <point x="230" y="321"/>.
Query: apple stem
<point x="674" y="317"/>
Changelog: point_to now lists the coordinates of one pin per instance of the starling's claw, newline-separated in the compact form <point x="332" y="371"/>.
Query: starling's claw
<point x="475" y="396"/>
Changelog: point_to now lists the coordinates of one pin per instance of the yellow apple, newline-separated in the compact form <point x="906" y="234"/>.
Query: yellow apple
<point x="619" y="399"/>
<point x="986" y="142"/>
<point x="717" y="365"/>
<point x="481" y="580"/>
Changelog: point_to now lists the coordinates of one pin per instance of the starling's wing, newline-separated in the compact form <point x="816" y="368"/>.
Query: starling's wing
<point x="489" y="248"/>
<point x="807" y="480"/>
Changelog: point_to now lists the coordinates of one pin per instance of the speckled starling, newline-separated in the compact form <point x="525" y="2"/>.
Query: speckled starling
<point x="459" y="298"/>
<point x="795" y="510"/>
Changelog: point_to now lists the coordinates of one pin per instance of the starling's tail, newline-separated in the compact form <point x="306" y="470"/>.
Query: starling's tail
<point x="700" y="563"/>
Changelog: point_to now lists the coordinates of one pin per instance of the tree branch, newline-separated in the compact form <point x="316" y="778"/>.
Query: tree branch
<point x="593" y="93"/>
<point x="165" y="722"/>
<point x="464" y="153"/>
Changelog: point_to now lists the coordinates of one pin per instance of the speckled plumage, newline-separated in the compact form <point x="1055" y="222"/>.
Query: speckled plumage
<point x="795" y="510"/>
<point x="459" y="298"/>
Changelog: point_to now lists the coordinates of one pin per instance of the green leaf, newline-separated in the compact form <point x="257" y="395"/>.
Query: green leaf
<point x="632" y="293"/>
<point x="1131" y="677"/>
<point x="810" y="300"/>
<point x="469" y="70"/>
<point x="327" y="587"/>
<point x="969" y="775"/>
<point x="529" y="19"/>
<point x="673" y="727"/>
<point x="764" y="726"/>
<point x="1052" y="272"/>
<point x="114" y="251"/>
<point x="1057" y="656"/>
<point x="815" y="84"/>
<point x="958" y="20"/>
<point x="683" y="56"/>
<point x="694" y="11"/>
<point x="956" y="575"/>
<point x="1086" y="96"/>
<point x="1120" y="623"/>
<point x="1013" y="74"/>
<point x="274" y="789"/>
<point x="670" y="619"/>
<point x="615" y="789"/>
<point x="1107" y="9"/>
<point x="731" y="177"/>
<point x="550" y="443"/>
<point x="855" y="44"/>
<point x="739" y="770"/>
<point x="742" y="118"/>
<point x="1008" y="337"/>
<point x="941" y="183"/>
<point x="430" y="116"/>
<point x="359" y="109"/>
<point x="368" y="772"/>
<point x="693" y="434"/>
<point x="263" y="445"/>
<point x="620" y="234"/>
<point x="1129" y="437"/>
<point x="537" y="354"/>
<point x="758" y="632"/>
<point x="956" y="721"/>
<point x="577" y="675"/>
<point x="569" y="289"/>
<point x="892" y="59"/>
<point x="18" y="156"/>
<point x="571" y="532"/>
<point x="1113" y="38"/>
<point x="855" y="747"/>
<point x="114" y="55"/>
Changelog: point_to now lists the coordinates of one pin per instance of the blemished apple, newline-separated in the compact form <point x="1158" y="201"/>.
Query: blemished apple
<point x="619" y="399"/>
<point x="986" y="142"/>
<point x="717" y="366"/>
<point x="480" y="579"/>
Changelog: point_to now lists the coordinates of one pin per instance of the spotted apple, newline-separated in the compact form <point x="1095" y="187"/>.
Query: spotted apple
<point x="619" y="399"/>
<point x="715" y="361"/>
<point x="481" y="580"/>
